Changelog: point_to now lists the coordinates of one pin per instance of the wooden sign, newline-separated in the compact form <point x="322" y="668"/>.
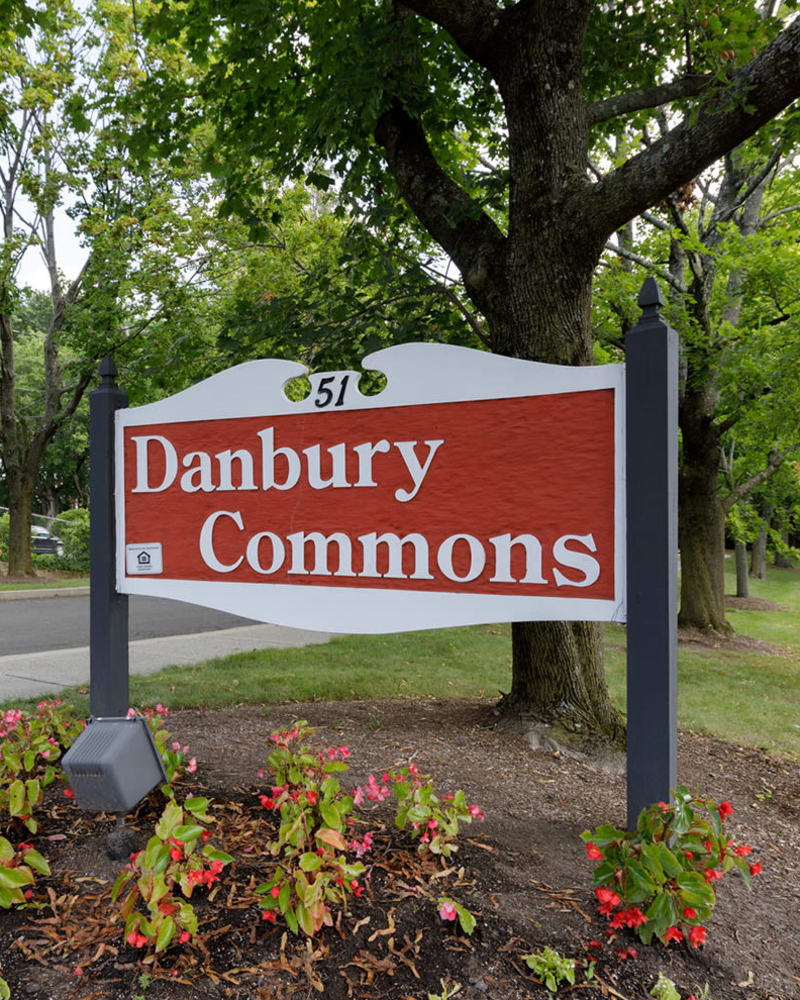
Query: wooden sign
<point x="473" y="488"/>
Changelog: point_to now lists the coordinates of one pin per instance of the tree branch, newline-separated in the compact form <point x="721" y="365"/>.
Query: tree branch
<point x="473" y="24"/>
<point x="454" y="220"/>
<point x="664" y="275"/>
<point x="650" y="97"/>
<point x="774" y="215"/>
<point x="756" y="94"/>
<point x="774" y="461"/>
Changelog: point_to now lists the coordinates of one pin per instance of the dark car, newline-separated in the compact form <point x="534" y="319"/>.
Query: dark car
<point x="44" y="542"/>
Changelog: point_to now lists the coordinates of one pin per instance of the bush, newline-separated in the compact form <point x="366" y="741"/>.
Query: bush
<point x="4" y="519"/>
<point x="72" y="527"/>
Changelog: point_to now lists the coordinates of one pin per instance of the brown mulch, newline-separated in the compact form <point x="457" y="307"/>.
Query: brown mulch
<point x="523" y="873"/>
<point x="752" y="604"/>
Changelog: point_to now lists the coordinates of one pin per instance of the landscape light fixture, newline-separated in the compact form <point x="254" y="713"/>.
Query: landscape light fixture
<point x="113" y="764"/>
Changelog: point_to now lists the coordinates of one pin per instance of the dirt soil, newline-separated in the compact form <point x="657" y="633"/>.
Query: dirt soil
<point x="523" y="873"/>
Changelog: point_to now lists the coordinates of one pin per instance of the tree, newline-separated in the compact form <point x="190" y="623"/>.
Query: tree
<point x="726" y="246"/>
<point x="62" y="140"/>
<point x="385" y="96"/>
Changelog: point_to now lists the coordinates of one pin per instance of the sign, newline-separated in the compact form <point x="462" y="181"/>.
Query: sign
<point x="473" y="488"/>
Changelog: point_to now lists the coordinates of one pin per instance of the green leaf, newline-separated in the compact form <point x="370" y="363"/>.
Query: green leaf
<point x="310" y="862"/>
<point x="670" y="863"/>
<point x="331" y="817"/>
<point x="33" y="790"/>
<point x="7" y="852"/>
<point x="165" y="933"/>
<point x="465" y="918"/>
<point x="13" y="878"/>
<point x="37" y="862"/>
<point x="187" y="832"/>
<point x="291" y="919"/>
<point x="16" y="798"/>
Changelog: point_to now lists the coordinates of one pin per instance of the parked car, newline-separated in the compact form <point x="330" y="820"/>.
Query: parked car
<point x="44" y="542"/>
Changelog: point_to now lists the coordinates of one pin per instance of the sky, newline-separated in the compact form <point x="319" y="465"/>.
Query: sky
<point x="70" y="256"/>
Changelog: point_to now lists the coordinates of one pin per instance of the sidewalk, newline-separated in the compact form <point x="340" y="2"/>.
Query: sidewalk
<point x="33" y="675"/>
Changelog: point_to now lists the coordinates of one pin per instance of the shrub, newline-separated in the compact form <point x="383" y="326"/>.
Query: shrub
<point x="659" y="879"/>
<point x="31" y="745"/>
<point x="72" y="527"/>
<point x="165" y="874"/>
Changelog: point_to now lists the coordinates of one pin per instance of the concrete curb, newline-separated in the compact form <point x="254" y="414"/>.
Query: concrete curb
<point x="37" y="595"/>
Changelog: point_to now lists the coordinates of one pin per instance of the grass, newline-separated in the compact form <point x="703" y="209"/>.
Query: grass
<point x="67" y="581"/>
<point x="750" y="698"/>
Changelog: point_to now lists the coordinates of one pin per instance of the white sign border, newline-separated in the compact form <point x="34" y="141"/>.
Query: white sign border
<point x="417" y="374"/>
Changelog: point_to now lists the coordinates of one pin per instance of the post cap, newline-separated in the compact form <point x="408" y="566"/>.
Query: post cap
<point x="650" y="295"/>
<point x="107" y="367"/>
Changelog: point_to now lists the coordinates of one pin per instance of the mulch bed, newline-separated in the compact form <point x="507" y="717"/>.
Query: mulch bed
<point x="523" y="873"/>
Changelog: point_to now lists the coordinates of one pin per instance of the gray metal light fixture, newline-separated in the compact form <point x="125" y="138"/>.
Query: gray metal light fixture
<point x="113" y="764"/>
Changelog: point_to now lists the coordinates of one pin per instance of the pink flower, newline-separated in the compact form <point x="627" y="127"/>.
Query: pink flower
<point x="176" y="745"/>
<point x="593" y="852"/>
<point x="475" y="812"/>
<point x="447" y="910"/>
<point x="185" y="936"/>
<point x="191" y="767"/>
<point x="358" y="796"/>
<point x="131" y="713"/>
<point x="78" y="971"/>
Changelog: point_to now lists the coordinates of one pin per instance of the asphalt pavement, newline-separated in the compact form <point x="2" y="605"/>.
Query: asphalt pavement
<point x="44" y="639"/>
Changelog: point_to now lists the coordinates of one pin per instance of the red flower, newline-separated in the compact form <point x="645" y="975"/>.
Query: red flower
<point x="712" y="874"/>
<point x="311" y="797"/>
<point x="633" y="917"/>
<point x="672" y="934"/>
<point x="697" y="936"/>
<point x="743" y="851"/>
<point x="593" y="852"/>
<point x="724" y="809"/>
<point x="689" y="912"/>
<point x="617" y="922"/>
<point x="663" y="807"/>
<point x="756" y="868"/>
<point x="606" y="896"/>
<point x="69" y="793"/>
<point x="184" y="937"/>
<point x="268" y="915"/>
<point x="266" y="801"/>
<point x="166" y="908"/>
<point x="175" y="853"/>
<point x="275" y="891"/>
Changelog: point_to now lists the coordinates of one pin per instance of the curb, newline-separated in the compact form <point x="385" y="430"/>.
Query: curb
<point x="37" y="595"/>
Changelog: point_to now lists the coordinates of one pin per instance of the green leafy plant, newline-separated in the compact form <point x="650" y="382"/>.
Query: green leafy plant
<point x="313" y="872"/>
<point x="163" y="876"/>
<point x="31" y="746"/>
<point x="551" y="967"/>
<point x="664" y="989"/>
<point x="434" y="822"/>
<point x="447" y="991"/>
<point x="173" y="756"/>
<point x="449" y="909"/>
<point x="659" y="879"/>
<point x="5" y="992"/>
<point x="17" y="867"/>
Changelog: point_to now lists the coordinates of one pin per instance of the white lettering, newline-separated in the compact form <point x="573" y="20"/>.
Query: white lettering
<point x="170" y="463"/>
<point x="416" y="471"/>
<point x="394" y="545"/>
<point x="477" y="558"/>
<point x="268" y="454"/>
<point x="205" y="483"/>
<point x="245" y="460"/>
<point x="338" y="467"/>
<point x="502" y="558"/>
<point x="278" y="552"/>
<point x="365" y="453"/>
<point x="207" y="541"/>
<point x="320" y="542"/>
<point x="588" y="565"/>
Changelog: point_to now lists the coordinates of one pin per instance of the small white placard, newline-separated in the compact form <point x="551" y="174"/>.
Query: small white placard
<point x="144" y="559"/>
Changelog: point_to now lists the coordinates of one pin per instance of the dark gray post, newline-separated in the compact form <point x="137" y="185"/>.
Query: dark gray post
<point x="108" y="610"/>
<point x="651" y="387"/>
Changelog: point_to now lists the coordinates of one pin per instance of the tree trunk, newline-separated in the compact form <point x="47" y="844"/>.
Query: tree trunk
<point x="20" y="505"/>
<point x="558" y="679"/>
<point x="758" y="558"/>
<point x="783" y="561"/>
<point x="742" y="580"/>
<point x="701" y="521"/>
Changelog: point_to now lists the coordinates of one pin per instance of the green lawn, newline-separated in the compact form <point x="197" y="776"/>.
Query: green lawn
<point x="749" y="698"/>
<point x="68" y="581"/>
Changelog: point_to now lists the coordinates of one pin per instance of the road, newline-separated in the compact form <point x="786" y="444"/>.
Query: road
<point x="44" y="641"/>
<point x="63" y="622"/>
